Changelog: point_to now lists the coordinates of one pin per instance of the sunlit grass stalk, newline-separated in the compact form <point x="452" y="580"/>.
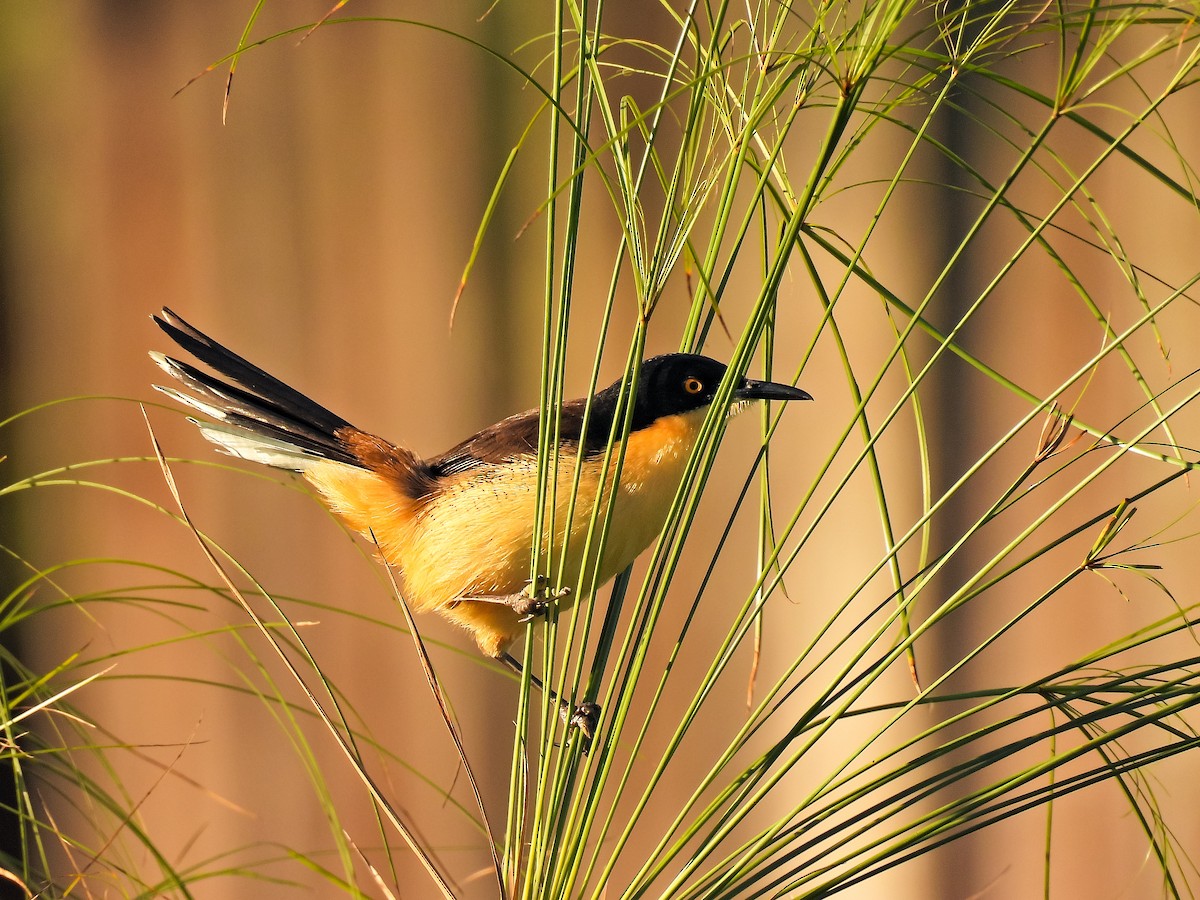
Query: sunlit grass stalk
<point x="684" y="507"/>
<point x="550" y="396"/>
<point x="343" y="735"/>
<point x="645" y="285"/>
<point x="904" y="799"/>
<point x="862" y="684"/>
<point x="567" y="775"/>
<point x="926" y="575"/>
<point x="1087" y="210"/>
<point x="982" y="366"/>
<point x="549" y="836"/>
<point x="957" y="813"/>
<point x="92" y="789"/>
<point x="1127" y="444"/>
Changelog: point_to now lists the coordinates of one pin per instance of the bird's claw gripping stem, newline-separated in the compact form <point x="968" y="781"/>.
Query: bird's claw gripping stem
<point x="585" y="717"/>
<point x="535" y="598"/>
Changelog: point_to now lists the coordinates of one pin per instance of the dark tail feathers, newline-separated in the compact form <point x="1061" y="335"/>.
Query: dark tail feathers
<point x="261" y="418"/>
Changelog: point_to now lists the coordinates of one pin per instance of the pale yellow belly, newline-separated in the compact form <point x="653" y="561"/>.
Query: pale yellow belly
<point x="476" y="534"/>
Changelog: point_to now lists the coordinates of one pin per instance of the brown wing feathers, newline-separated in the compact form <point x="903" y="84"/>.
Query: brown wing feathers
<point x="517" y="436"/>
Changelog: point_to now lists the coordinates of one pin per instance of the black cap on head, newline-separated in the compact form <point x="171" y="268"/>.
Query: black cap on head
<point x="681" y="382"/>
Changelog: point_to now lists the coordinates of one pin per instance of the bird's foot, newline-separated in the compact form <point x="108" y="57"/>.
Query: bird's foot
<point x="535" y="598"/>
<point x="531" y="601"/>
<point x="585" y="717"/>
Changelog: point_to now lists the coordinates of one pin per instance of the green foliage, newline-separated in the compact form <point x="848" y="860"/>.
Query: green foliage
<point x="739" y="101"/>
<point x="792" y="148"/>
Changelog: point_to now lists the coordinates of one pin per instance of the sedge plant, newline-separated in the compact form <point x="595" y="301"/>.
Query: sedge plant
<point x="842" y="664"/>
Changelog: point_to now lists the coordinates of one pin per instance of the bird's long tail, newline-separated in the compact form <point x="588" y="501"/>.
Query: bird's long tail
<point x="256" y="417"/>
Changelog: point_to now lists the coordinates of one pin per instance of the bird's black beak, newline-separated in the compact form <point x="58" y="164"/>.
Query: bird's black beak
<point x="768" y="390"/>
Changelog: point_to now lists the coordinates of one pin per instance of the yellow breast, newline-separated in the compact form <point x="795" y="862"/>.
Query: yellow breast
<point x="475" y="534"/>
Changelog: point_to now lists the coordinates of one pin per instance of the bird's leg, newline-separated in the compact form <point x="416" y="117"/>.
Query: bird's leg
<point x="531" y="601"/>
<point x="585" y="716"/>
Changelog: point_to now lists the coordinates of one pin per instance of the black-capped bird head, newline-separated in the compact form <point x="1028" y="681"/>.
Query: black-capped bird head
<point x="682" y="382"/>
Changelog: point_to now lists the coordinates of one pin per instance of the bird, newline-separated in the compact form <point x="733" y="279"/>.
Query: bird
<point x="459" y="527"/>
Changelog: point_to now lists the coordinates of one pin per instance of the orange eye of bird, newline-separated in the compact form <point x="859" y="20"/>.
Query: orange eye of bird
<point x="692" y="385"/>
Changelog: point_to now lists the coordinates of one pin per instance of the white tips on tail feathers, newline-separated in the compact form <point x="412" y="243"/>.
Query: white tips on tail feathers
<point x="246" y="426"/>
<point x="253" y="447"/>
<point x="168" y="365"/>
<point x="194" y="402"/>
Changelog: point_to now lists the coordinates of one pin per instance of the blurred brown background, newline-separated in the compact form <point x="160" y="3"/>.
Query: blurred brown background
<point x="321" y="232"/>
